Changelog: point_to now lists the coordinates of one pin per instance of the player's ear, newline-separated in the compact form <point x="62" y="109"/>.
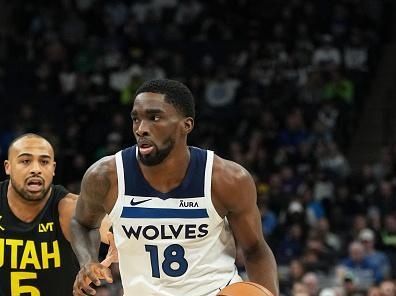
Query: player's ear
<point x="54" y="168"/>
<point x="188" y="124"/>
<point x="7" y="167"/>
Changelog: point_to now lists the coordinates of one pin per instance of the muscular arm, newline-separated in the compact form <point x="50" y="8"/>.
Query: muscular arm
<point x="235" y="196"/>
<point x="67" y="207"/>
<point x="96" y="186"/>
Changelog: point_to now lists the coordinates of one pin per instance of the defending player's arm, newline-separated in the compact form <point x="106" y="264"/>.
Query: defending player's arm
<point x="236" y="195"/>
<point x="67" y="207"/>
<point x="85" y="236"/>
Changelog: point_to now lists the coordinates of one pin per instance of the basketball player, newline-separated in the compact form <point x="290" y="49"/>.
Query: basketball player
<point x="36" y="257"/>
<point x="175" y="209"/>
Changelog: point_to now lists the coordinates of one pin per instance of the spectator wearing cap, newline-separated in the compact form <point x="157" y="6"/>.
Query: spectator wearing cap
<point x="375" y="257"/>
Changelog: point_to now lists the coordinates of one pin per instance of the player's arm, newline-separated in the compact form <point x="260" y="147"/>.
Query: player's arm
<point x="235" y="197"/>
<point x="67" y="207"/>
<point x="91" y="205"/>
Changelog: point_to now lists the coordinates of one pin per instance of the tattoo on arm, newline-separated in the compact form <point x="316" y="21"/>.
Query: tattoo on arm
<point x="90" y="210"/>
<point x="95" y="187"/>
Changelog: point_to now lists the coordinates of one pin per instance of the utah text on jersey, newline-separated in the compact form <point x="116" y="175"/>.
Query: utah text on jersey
<point x="28" y="253"/>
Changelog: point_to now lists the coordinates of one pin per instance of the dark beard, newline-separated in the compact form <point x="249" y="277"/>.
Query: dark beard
<point x="159" y="156"/>
<point x="27" y="196"/>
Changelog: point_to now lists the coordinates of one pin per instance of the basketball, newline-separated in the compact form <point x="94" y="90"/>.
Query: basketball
<point x="245" y="289"/>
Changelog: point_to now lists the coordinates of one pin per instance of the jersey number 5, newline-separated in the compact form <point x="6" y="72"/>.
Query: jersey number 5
<point x="174" y="263"/>
<point x="18" y="289"/>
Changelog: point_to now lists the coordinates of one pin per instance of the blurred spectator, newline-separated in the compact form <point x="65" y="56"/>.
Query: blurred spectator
<point x="356" y="55"/>
<point x="294" y="274"/>
<point x="220" y="92"/>
<point x="350" y="286"/>
<point x="268" y="219"/>
<point x="388" y="240"/>
<point x="387" y="288"/>
<point x="311" y="281"/>
<point x="326" y="55"/>
<point x="375" y="257"/>
<point x="300" y="289"/>
<point x="291" y="245"/>
<point x="339" y="89"/>
<point x="330" y="238"/>
<point x="374" y="291"/>
<point x="357" y="264"/>
<point x="294" y="132"/>
<point x="333" y="161"/>
<point x="318" y="256"/>
<point x="313" y="208"/>
<point x="384" y="199"/>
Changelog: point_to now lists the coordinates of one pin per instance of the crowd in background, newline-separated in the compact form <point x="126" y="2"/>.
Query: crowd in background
<point x="279" y="88"/>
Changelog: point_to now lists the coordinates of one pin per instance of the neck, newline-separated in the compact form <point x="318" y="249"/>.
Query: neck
<point x="170" y="173"/>
<point x="23" y="209"/>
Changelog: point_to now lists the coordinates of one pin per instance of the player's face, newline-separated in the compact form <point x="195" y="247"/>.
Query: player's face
<point x="157" y="127"/>
<point x="31" y="168"/>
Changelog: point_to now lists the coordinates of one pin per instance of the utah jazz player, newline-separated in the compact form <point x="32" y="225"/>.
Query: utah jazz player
<point x="176" y="209"/>
<point x="35" y="255"/>
<point x="36" y="258"/>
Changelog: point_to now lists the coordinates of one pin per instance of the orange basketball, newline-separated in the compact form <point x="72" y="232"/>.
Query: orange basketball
<point x="245" y="289"/>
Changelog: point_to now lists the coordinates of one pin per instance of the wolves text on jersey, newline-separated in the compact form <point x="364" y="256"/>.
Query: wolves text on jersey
<point x="152" y="232"/>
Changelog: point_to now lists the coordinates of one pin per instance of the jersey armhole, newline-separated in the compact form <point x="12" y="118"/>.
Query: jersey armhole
<point x="208" y="186"/>
<point x="117" y="209"/>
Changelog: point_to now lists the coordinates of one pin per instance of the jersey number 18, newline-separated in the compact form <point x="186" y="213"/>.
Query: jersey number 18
<point x="174" y="263"/>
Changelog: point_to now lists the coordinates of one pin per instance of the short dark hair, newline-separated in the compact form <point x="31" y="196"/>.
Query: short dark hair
<point x="176" y="94"/>
<point x="27" y="135"/>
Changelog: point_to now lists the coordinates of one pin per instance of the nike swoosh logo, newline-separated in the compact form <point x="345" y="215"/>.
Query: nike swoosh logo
<point x="134" y="203"/>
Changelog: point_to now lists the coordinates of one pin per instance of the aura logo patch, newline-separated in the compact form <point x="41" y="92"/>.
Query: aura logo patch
<point x="188" y="204"/>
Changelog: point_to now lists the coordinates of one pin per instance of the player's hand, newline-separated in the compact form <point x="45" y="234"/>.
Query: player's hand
<point x="90" y="273"/>
<point x="112" y="253"/>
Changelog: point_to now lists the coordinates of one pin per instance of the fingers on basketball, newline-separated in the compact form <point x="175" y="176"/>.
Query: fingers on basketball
<point x="245" y="289"/>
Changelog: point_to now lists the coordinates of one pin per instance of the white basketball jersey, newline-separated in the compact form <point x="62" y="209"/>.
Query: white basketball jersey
<point x="175" y="243"/>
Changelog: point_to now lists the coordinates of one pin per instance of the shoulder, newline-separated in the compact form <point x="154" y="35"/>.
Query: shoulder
<point x="66" y="208"/>
<point x="99" y="184"/>
<point x="229" y="173"/>
<point x="102" y="167"/>
<point x="102" y="172"/>
<point x="67" y="204"/>
<point x="232" y="185"/>
<point x="69" y="198"/>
